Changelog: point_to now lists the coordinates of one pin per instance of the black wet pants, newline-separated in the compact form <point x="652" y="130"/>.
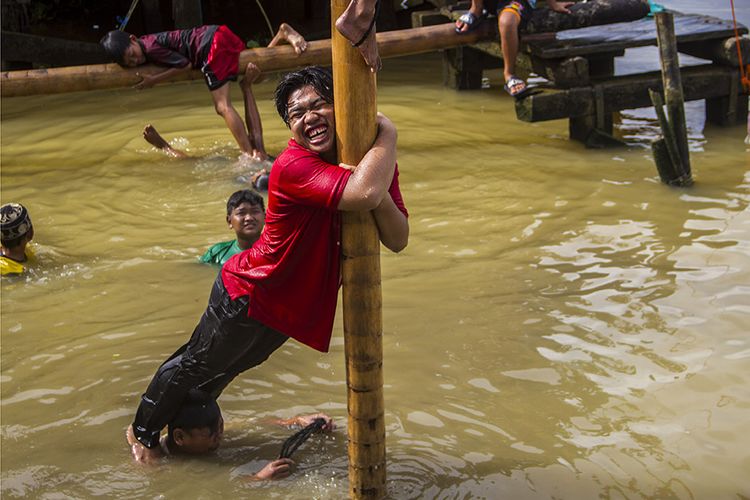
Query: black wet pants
<point x="225" y="343"/>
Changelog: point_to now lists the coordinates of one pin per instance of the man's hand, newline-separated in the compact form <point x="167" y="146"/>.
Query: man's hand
<point x="146" y="82"/>
<point x="561" y="7"/>
<point x="278" y="469"/>
<point x="141" y="453"/>
<point x="305" y="420"/>
<point x="252" y="73"/>
<point x="348" y="167"/>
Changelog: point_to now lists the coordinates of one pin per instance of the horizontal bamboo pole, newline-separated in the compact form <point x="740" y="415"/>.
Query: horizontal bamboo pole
<point x="268" y="59"/>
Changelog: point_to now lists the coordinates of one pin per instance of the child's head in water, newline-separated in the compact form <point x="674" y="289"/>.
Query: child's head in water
<point x="198" y="426"/>
<point x="246" y="215"/>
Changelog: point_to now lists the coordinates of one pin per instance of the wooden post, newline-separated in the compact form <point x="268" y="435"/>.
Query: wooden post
<point x="670" y="70"/>
<point x="356" y="109"/>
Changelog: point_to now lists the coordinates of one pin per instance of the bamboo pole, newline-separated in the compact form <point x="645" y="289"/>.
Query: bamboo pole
<point x="268" y="59"/>
<point x="355" y="101"/>
<point x="670" y="70"/>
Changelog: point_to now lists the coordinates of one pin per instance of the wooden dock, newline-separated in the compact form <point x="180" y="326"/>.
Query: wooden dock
<point x="579" y="65"/>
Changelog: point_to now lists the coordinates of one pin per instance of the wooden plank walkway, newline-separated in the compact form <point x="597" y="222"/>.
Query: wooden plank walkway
<point x="579" y="67"/>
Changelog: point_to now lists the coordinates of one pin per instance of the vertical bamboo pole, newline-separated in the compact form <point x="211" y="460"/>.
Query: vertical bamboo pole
<point x="673" y="96"/>
<point x="356" y="108"/>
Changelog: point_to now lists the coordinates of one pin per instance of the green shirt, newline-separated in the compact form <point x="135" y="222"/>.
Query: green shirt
<point x="221" y="252"/>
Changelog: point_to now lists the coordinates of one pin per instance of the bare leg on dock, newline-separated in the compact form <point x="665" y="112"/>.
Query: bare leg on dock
<point x="155" y="139"/>
<point x="357" y="24"/>
<point x="252" y="116"/>
<point x="288" y="34"/>
<point x="507" y="24"/>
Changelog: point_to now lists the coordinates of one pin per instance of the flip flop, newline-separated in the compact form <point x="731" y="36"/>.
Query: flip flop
<point x="369" y="28"/>
<point x="471" y="20"/>
<point x="514" y="81"/>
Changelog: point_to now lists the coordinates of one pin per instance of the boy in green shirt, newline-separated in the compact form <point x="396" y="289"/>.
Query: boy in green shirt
<point x="246" y="216"/>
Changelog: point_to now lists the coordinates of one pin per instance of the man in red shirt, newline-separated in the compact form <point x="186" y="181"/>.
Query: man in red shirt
<point x="286" y="285"/>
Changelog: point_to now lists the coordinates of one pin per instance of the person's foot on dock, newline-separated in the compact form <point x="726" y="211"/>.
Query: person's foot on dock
<point x="291" y="36"/>
<point x="156" y="140"/>
<point x="357" y="24"/>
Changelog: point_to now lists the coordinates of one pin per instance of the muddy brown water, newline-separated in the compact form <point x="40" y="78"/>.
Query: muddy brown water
<point x="561" y="325"/>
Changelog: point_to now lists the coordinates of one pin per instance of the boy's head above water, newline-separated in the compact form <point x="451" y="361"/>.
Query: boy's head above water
<point x="198" y="426"/>
<point x="123" y="48"/>
<point x="246" y="214"/>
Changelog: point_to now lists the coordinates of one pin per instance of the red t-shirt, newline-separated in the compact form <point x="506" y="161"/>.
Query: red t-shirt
<point x="293" y="272"/>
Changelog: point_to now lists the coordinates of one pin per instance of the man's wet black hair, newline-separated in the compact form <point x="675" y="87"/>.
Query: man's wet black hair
<point x="115" y="44"/>
<point x="318" y="77"/>
<point x="198" y="411"/>
<point x="244" y="196"/>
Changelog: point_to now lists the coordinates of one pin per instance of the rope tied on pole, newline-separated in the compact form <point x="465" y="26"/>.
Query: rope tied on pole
<point x="127" y="16"/>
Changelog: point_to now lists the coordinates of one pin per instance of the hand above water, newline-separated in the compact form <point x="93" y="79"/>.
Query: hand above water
<point x="141" y="453"/>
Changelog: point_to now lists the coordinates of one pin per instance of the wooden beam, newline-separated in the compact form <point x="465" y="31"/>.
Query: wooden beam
<point x="672" y="85"/>
<point x="268" y="59"/>
<point x="624" y="92"/>
<point x="355" y="102"/>
<point x="719" y="51"/>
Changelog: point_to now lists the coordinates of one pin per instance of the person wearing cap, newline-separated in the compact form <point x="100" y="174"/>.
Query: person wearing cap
<point x="17" y="232"/>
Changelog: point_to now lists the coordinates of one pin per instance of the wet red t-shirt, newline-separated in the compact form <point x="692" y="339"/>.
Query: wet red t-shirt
<point x="293" y="272"/>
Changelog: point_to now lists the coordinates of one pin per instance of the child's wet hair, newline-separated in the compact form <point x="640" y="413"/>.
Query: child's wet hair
<point x="198" y="411"/>
<point x="245" y="196"/>
<point x="115" y="43"/>
<point x="316" y="76"/>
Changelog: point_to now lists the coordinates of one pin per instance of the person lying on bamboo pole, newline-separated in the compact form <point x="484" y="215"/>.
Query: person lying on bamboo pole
<point x="512" y="16"/>
<point x="357" y="24"/>
<point x="213" y="49"/>
<point x="198" y="429"/>
<point x="286" y="284"/>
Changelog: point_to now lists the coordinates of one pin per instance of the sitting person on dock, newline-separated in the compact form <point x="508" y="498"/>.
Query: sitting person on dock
<point x="246" y="216"/>
<point x="17" y="232"/>
<point x="213" y="49"/>
<point x="198" y="429"/>
<point x="286" y="284"/>
<point x="512" y="16"/>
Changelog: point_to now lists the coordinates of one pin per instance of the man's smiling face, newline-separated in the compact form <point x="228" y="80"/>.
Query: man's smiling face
<point x="312" y="121"/>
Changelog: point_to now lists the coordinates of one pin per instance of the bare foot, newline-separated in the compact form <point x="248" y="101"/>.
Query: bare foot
<point x="288" y="34"/>
<point x="278" y="469"/>
<point x="357" y="24"/>
<point x="155" y="139"/>
<point x="141" y="453"/>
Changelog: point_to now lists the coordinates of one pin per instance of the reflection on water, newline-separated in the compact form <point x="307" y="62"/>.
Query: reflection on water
<point x="561" y="324"/>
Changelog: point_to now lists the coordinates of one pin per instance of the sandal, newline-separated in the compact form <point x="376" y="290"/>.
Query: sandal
<point x="514" y="82"/>
<point x="470" y="20"/>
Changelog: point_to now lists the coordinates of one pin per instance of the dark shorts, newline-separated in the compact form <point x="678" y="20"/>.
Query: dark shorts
<point x="225" y="343"/>
<point x="222" y="63"/>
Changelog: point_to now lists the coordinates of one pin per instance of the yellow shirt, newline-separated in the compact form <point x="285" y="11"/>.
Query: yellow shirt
<point x="10" y="266"/>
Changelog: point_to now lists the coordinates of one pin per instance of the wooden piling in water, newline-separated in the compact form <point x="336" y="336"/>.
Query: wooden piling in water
<point x="674" y="127"/>
<point x="356" y="109"/>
